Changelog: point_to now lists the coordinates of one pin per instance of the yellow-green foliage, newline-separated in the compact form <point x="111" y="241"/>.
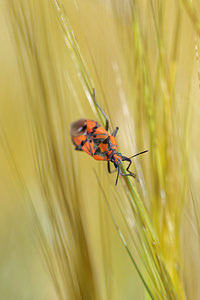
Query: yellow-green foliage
<point x="97" y="241"/>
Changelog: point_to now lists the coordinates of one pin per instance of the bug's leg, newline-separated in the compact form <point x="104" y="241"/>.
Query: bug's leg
<point x="115" y="131"/>
<point x="118" y="172"/>
<point x="107" y="122"/>
<point x="130" y="174"/>
<point x="109" y="171"/>
<point x="124" y="158"/>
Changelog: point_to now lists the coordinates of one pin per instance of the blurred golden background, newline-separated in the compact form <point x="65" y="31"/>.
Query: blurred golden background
<point x="66" y="231"/>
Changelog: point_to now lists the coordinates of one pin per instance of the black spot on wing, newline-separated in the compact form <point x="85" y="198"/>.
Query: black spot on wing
<point x="100" y="153"/>
<point x="94" y="129"/>
<point x="106" y="141"/>
<point x="109" y="143"/>
<point x="97" y="141"/>
<point x="83" y="142"/>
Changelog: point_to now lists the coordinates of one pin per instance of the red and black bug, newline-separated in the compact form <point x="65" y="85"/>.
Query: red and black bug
<point x="89" y="136"/>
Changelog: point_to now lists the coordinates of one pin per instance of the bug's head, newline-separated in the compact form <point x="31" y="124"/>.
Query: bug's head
<point x="78" y="128"/>
<point x="116" y="159"/>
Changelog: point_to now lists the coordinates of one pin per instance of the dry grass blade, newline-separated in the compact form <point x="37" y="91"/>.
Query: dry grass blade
<point x="161" y="282"/>
<point x="65" y="244"/>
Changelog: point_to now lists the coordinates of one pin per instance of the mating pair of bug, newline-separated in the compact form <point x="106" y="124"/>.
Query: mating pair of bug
<point x="89" y="136"/>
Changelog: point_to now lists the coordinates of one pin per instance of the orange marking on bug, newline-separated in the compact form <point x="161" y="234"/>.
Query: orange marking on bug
<point x="98" y="157"/>
<point x="90" y="125"/>
<point x="77" y="140"/>
<point x="86" y="148"/>
<point x="103" y="147"/>
<point x="113" y="140"/>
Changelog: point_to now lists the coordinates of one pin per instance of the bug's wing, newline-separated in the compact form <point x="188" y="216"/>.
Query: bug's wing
<point x="89" y="146"/>
<point x="100" y="133"/>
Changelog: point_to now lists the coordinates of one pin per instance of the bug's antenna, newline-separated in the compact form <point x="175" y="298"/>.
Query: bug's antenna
<point x="118" y="171"/>
<point x="139" y="153"/>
